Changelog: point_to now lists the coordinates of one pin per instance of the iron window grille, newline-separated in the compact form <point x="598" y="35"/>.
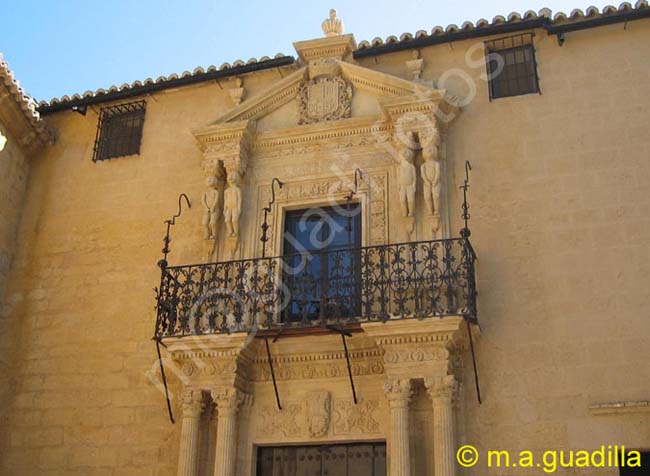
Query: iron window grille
<point x="511" y="66"/>
<point x="119" y="130"/>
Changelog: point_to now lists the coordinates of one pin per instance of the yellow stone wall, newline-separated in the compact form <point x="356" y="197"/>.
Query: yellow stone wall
<point x="14" y="169"/>
<point x="559" y="194"/>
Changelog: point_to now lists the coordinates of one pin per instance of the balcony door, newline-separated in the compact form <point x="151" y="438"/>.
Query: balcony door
<point x="330" y="460"/>
<point x="322" y="263"/>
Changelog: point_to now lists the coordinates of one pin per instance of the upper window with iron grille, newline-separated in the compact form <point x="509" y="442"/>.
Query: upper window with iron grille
<point x="511" y="66"/>
<point x="119" y="131"/>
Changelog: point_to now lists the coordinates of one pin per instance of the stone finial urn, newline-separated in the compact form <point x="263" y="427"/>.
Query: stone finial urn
<point x="333" y="26"/>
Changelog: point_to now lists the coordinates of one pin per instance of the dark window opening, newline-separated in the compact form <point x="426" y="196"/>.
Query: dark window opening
<point x="643" y="470"/>
<point x="119" y="130"/>
<point x="511" y="66"/>
<point x="322" y="263"/>
<point x="333" y="460"/>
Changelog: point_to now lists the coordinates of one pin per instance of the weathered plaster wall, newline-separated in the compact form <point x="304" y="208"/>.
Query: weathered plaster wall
<point x="558" y="219"/>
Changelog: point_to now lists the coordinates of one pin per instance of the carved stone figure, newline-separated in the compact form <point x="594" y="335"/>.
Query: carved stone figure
<point x="406" y="179"/>
<point x="430" y="170"/>
<point x="232" y="204"/>
<point x="211" y="200"/>
<point x="318" y="413"/>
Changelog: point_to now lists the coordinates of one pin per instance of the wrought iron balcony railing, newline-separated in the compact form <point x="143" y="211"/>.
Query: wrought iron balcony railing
<point x="334" y="287"/>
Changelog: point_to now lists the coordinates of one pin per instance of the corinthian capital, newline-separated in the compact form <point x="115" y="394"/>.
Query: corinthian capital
<point x="193" y="403"/>
<point x="398" y="392"/>
<point x="441" y="389"/>
<point x="227" y="400"/>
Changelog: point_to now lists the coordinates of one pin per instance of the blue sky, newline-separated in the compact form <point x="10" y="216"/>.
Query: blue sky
<point x="66" y="47"/>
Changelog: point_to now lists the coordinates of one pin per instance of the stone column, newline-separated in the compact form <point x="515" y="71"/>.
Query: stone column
<point x="228" y="401"/>
<point x="442" y="392"/>
<point x="243" y="430"/>
<point x="398" y="393"/>
<point x="188" y="454"/>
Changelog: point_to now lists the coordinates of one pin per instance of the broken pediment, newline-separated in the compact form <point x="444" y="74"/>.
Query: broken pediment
<point x="332" y="89"/>
<point x="326" y="97"/>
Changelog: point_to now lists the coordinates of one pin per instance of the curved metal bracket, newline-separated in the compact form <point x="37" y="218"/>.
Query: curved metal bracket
<point x="267" y="210"/>
<point x="465" y="232"/>
<point x="172" y="221"/>
<point x="358" y="175"/>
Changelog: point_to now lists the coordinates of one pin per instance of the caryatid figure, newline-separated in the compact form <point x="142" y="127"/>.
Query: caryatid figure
<point x="406" y="179"/>
<point x="232" y="204"/>
<point x="430" y="171"/>
<point x="211" y="202"/>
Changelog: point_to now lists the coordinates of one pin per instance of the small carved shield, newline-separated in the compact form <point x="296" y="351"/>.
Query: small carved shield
<point x="318" y="413"/>
<point x="322" y="98"/>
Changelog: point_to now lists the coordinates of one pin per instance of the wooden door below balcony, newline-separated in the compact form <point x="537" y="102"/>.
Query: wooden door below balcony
<point x="357" y="459"/>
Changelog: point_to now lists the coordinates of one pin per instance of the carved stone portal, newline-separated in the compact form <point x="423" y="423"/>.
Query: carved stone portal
<point x="324" y="99"/>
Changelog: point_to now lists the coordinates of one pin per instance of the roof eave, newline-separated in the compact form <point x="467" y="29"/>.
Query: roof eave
<point x="169" y="84"/>
<point x="552" y="27"/>
<point x="452" y="36"/>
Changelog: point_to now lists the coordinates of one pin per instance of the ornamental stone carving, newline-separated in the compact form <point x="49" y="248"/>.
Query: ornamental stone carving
<point x="273" y="422"/>
<point x="359" y="419"/>
<point x="324" y="99"/>
<point x="442" y="389"/>
<point x="332" y="26"/>
<point x="319" y="415"/>
<point x="192" y="403"/>
<point x="398" y="392"/>
<point x="227" y="400"/>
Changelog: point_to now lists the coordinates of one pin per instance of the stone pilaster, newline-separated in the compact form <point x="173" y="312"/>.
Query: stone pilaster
<point x="398" y="393"/>
<point x="228" y="401"/>
<point x="442" y="391"/>
<point x="243" y="456"/>
<point x="188" y="454"/>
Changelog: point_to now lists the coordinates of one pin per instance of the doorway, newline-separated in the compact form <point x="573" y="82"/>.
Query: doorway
<point x="357" y="459"/>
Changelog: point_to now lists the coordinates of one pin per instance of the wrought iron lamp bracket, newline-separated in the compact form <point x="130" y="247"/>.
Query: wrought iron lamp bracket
<point x="267" y="210"/>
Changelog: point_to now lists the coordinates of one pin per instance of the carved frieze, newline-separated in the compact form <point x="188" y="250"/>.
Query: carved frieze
<point x="319" y="416"/>
<point x="305" y="369"/>
<point x="415" y="355"/>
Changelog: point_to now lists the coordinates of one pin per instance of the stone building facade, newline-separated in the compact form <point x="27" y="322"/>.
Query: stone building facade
<point x="367" y="357"/>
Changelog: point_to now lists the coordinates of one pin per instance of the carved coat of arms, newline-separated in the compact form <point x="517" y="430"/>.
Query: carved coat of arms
<point x="324" y="99"/>
<point x="318" y="413"/>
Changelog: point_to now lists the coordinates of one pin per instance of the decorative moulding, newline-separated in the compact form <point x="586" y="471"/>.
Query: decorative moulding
<point x="337" y="47"/>
<point x="268" y="100"/>
<point x="613" y="408"/>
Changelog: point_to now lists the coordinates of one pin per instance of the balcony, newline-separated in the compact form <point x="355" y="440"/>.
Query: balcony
<point x="313" y="290"/>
